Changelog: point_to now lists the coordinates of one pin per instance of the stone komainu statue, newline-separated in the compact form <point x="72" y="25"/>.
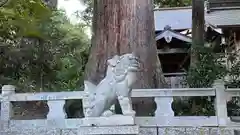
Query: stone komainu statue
<point x="120" y="76"/>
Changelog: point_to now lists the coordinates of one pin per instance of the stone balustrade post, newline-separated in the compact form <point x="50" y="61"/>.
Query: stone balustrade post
<point x="56" y="109"/>
<point x="6" y="105"/>
<point x="221" y="102"/>
<point x="164" y="106"/>
<point x="164" y="110"/>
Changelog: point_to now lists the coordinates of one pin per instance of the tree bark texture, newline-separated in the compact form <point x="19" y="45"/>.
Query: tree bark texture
<point x="124" y="26"/>
<point x="198" y="23"/>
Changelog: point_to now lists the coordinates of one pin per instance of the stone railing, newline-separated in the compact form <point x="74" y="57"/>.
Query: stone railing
<point x="164" y="116"/>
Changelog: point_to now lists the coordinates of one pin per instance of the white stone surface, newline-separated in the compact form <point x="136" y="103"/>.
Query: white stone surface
<point x="196" y="131"/>
<point x="53" y="107"/>
<point x="171" y="131"/>
<point x="163" y="121"/>
<point x="73" y="123"/>
<point x="164" y="107"/>
<point x="124" y="130"/>
<point x="3" y="125"/>
<point x="135" y="93"/>
<point x="148" y="131"/>
<point x="6" y="106"/>
<point x="221" y="106"/>
<point x="32" y="132"/>
<point x="49" y="96"/>
<point x="221" y="131"/>
<point x="162" y="124"/>
<point x="120" y="130"/>
<point x="173" y="92"/>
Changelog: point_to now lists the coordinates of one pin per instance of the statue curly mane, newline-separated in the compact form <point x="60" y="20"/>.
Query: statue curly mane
<point x="123" y="65"/>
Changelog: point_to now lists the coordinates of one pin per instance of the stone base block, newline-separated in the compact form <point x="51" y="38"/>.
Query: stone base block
<point x="32" y="132"/>
<point x="196" y="131"/>
<point x="116" y="130"/>
<point x="148" y="131"/>
<point x="116" y="120"/>
<point x="187" y="131"/>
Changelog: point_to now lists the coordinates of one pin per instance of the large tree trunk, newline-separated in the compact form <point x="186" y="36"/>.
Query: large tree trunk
<point x="198" y="23"/>
<point x="119" y="27"/>
<point x="124" y="26"/>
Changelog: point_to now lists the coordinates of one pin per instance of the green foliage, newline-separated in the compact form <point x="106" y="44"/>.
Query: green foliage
<point x="22" y="16"/>
<point x="72" y="54"/>
<point x="212" y="66"/>
<point x="44" y="51"/>
<point x="194" y="106"/>
<point x="88" y="12"/>
<point x="209" y="68"/>
<point x="233" y="107"/>
<point x="234" y="71"/>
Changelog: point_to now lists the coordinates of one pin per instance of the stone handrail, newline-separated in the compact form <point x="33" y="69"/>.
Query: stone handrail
<point x="173" y="92"/>
<point x="49" y="96"/>
<point x="164" y="115"/>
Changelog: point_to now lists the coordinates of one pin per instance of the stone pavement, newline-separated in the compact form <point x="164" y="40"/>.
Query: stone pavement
<point x="129" y="129"/>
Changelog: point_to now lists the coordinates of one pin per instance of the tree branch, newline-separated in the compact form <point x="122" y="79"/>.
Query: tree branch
<point x="3" y="3"/>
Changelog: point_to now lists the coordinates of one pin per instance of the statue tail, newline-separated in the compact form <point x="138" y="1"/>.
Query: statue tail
<point x="89" y="89"/>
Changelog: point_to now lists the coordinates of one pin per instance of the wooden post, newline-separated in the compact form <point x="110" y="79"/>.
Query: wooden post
<point x="221" y="103"/>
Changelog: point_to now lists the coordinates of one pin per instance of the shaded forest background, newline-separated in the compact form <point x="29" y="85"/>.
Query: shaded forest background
<point x="41" y="50"/>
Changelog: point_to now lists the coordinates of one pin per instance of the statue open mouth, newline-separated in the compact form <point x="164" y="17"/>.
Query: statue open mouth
<point x="134" y="67"/>
<point x="135" y="64"/>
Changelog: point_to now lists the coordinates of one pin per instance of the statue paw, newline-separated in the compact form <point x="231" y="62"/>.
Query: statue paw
<point x="129" y="113"/>
<point x="107" y="113"/>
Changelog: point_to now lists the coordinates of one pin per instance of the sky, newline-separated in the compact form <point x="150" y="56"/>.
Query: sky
<point x="70" y="7"/>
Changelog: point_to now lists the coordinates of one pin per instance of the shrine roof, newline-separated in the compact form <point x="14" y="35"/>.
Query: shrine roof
<point x="224" y="18"/>
<point x="180" y="18"/>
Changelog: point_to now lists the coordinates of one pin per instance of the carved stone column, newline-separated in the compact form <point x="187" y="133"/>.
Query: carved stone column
<point x="56" y="110"/>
